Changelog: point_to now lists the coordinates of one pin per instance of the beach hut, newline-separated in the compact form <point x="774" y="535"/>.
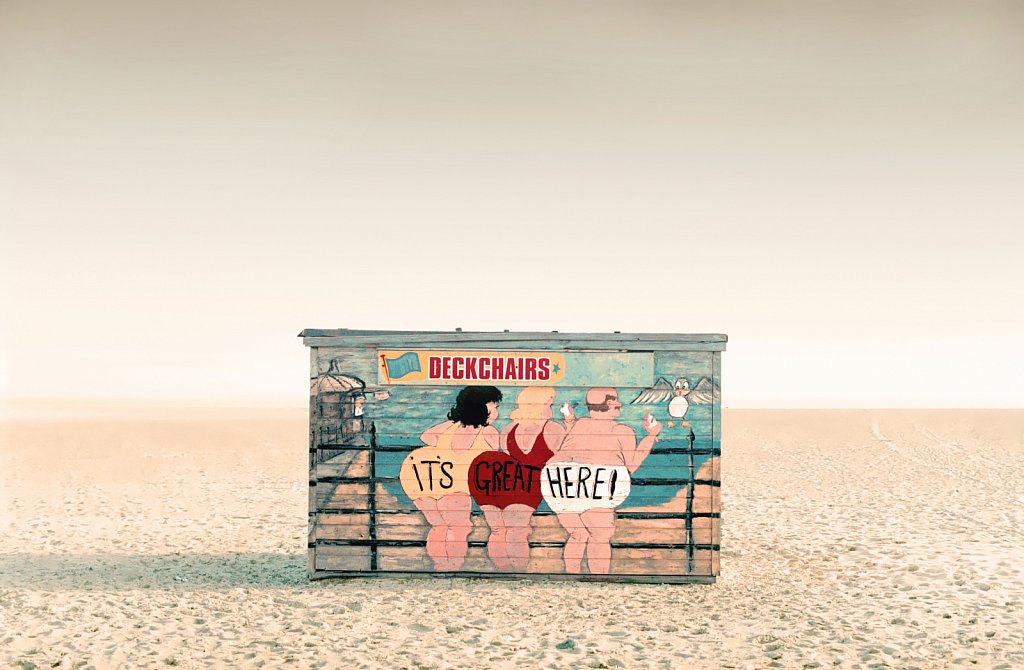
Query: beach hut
<point x="554" y="455"/>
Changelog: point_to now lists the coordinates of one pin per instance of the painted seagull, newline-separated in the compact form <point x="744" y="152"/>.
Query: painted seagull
<point x="679" y="404"/>
<point x="673" y="394"/>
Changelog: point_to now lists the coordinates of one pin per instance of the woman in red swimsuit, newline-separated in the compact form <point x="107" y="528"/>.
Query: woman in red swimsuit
<point x="506" y="484"/>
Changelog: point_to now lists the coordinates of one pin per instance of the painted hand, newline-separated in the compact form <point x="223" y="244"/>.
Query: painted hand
<point x="651" y="425"/>
<point x="568" y="415"/>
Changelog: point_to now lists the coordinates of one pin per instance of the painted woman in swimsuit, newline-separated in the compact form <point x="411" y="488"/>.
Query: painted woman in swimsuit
<point x="436" y="476"/>
<point x="591" y="477"/>
<point x="513" y="491"/>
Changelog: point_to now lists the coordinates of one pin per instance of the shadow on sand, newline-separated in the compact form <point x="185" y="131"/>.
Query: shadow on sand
<point x="105" y="572"/>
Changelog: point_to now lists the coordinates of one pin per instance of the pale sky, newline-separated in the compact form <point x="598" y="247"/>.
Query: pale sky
<point x="837" y="186"/>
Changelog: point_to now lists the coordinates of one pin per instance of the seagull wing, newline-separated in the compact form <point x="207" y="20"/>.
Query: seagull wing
<point x="659" y="393"/>
<point x="704" y="393"/>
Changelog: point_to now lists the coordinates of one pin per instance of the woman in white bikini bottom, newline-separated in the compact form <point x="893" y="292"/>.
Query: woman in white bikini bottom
<point x="578" y="487"/>
<point x="584" y="497"/>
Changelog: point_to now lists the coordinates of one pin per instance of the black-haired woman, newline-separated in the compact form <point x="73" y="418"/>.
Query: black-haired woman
<point x="436" y="477"/>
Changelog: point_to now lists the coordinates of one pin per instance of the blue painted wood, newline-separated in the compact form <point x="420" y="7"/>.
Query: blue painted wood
<point x="716" y="408"/>
<point x="514" y="341"/>
<point x="412" y="336"/>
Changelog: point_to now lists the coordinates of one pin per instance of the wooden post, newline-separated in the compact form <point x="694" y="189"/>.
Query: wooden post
<point x="689" y="504"/>
<point x="372" y="496"/>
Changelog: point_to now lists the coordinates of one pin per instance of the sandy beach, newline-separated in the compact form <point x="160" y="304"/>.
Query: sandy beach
<point x="854" y="539"/>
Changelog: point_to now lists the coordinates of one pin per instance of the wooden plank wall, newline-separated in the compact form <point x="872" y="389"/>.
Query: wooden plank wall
<point x="361" y="520"/>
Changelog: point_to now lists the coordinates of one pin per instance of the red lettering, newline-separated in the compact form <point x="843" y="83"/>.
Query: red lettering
<point x="485" y="368"/>
<point x="530" y="369"/>
<point x="544" y="369"/>
<point x="471" y="362"/>
<point x="446" y="367"/>
<point x="499" y="367"/>
<point x="435" y="367"/>
<point x="458" y="369"/>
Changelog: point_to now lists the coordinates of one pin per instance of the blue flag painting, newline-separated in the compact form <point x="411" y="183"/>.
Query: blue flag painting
<point x="403" y="365"/>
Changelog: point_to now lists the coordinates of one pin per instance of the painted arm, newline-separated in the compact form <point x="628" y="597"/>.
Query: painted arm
<point x="490" y="435"/>
<point x="554" y="435"/>
<point x="430" y="435"/>
<point x="503" y="437"/>
<point x="633" y="454"/>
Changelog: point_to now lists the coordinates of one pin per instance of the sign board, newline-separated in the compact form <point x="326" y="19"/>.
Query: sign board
<point x="526" y="454"/>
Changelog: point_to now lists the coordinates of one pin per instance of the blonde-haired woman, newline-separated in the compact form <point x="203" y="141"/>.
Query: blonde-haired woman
<point x="506" y="484"/>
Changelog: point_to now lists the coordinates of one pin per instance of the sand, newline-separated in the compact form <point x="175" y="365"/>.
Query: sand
<point x="854" y="539"/>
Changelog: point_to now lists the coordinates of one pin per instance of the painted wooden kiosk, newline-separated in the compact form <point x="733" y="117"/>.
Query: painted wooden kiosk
<point x="582" y="456"/>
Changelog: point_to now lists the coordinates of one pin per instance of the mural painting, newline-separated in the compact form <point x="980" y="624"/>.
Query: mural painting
<point x="589" y="478"/>
<point x="436" y="477"/>
<point x="514" y="462"/>
<point x="506" y="483"/>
